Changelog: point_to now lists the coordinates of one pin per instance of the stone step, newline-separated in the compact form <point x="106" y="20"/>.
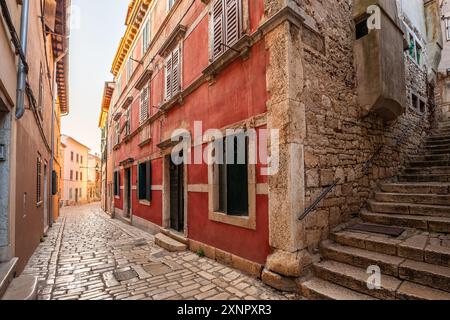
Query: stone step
<point x="438" y="137"/>
<point x="433" y="147"/>
<point x="415" y="247"/>
<point x="430" y="275"/>
<point x="175" y="236"/>
<point x="427" y="170"/>
<point x="437" y="142"/>
<point x="362" y="258"/>
<point x="429" y="199"/>
<point x="414" y="291"/>
<point x="434" y="151"/>
<point x="356" y="279"/>
<point x="424" y="178"/>
<point x="7" y="271"/>
<point x="409" y="209"/>
<point x="417" y="188"/>
<point x="318" y="289"/>
<point x="24" y="287"/>
<point x="430" y="157"/>
<point x="431" y="224"/>
<point x="430" y="163"/>
<point x="169" y="244"/>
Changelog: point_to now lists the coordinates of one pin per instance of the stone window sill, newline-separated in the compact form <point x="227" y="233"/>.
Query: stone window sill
<point x="240" y="49"/>
<point x="145" y="203"/>
<point x="238" y="221"/>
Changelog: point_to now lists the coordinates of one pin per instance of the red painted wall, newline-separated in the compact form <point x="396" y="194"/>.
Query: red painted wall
<point x="238" y="93"/>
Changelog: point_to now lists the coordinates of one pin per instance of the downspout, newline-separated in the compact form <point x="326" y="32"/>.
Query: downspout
<point x="22" y="71"/>
<point x="55" y="95"/>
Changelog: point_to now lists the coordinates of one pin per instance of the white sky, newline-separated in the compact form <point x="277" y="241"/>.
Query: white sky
<point x="96" y="29"/>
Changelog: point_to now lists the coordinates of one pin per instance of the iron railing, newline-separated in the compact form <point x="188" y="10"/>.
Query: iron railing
<point x="365" y="169"/>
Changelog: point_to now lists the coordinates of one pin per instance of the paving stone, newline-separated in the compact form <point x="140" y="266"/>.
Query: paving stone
<point x="92" y="247"/>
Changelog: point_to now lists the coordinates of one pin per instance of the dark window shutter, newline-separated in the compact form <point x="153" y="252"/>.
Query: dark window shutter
<point x="232" y="21"/>
<point x="142" y="181"/>
<point x="168" y="80"/>
<point x="148" y="187"/>
<point x="217" y="27"/>
<point x="176" y="71"/>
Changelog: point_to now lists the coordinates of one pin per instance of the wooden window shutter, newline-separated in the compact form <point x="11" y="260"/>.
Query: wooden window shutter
<point x="232" y="21"/>
<point x="217" y="28"/>
<point x="168" y="80"/>
<point x="176" y="71"/>
<point x="148" y="187"/>
<point x="142" y="183"/>
<point x="144" y="107"/>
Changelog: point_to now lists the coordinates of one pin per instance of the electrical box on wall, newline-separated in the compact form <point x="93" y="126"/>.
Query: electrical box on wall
<point x="2" y="152"/>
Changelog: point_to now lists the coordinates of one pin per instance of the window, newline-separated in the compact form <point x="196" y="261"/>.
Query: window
<point x="41" y="91"/>
<point x="81" y="159"/>
<point x="80" y="193"/>
<point x="70" y="194"/>
<point x="447" y="28"/>
<point x="144" y="106"/>
<point x="117" y="132"/>
<point x="71" y="175"/>
<point x="415" y="50"/>
<point x="71" y="156"/>
<point x="76" y="174"/>
<point x="144" y="182"/>
<point x="128" y="122"/>
<point x="146" y="36"/>
<point x="226" y="25"/>
<point x="233" y="177"/>
<point x="361" y="29"/>
<point x="38" y="179"/>
<point x="170" y="4"/>
<point x="78" y="157"/>
<point x="81" y="176"/>
<point x="415" y="101"/>
<point x="116" y="184"/>
<point x="172" y="79"/>
<point x="129" y="69"/>
<point x="422" y="106"/>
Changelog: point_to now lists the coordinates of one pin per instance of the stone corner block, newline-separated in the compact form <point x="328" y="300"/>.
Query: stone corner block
<point x="279" y="282"/>
<point x="289" y="264"/>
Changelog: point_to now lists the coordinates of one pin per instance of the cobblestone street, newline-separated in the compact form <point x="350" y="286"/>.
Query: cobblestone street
<point x="89" y="256"/>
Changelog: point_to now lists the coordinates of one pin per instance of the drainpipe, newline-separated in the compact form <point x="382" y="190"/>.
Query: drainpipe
<point x="22" y="71"/>
<point x="54" y="92"/>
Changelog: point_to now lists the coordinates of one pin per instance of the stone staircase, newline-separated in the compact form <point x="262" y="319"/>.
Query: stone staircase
<point x="415" y="264"/>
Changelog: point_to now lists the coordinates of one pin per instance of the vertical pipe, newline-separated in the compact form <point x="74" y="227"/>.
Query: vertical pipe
<point x="21" y="73"/>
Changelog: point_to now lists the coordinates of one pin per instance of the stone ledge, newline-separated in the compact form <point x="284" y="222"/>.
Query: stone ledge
<point x="22" y="288"/>
<point x="249" y="267"/>
<point x="169" y="244"/>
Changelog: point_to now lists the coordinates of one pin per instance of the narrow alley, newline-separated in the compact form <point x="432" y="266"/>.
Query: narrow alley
<point x="89" y="256"/>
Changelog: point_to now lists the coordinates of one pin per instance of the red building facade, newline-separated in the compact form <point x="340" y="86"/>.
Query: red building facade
<point x="199" y="65"/>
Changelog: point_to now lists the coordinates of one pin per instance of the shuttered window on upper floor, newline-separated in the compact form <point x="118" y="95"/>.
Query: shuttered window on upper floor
<point x="173" y="73"/>
<point x="146" y="36"/>
<point x="226" y="25"/>
<point x="144" y="104"/>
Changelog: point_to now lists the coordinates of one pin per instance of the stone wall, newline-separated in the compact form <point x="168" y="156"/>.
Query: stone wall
<point x="338" y="141"/>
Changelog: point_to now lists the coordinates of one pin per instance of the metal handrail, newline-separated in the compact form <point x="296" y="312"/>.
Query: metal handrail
<point x="365" y="171"/>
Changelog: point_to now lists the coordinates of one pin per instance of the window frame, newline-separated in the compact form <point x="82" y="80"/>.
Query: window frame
<point x="241" y="25"/>
<point x="447" y="28"/>
<point x="144" y="99"/>
<point x="147" y="197"/>
<point x="214" y="214"/>
<point x="116" y="184"/>
<point x="169" y="76"/>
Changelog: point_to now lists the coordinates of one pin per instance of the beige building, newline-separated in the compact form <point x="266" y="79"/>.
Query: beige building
<point x="75" y="173"/>
<point x="94" y="178"/>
